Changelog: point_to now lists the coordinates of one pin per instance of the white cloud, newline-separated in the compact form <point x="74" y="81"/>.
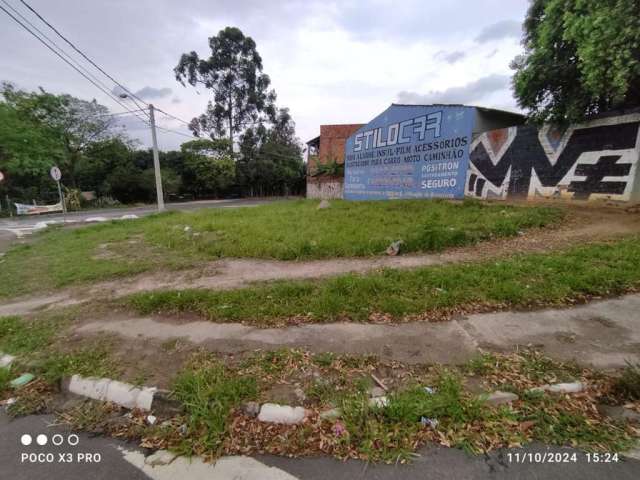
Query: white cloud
<point x="500" y="30"/>
<point x="471" y="92"/>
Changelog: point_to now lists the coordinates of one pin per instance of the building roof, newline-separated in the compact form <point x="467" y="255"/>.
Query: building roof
<point x="314" y="141"/>
<point x="483" y="109"/>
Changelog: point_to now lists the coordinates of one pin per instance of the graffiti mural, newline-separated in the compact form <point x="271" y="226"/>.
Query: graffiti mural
<point x="584" y="162"/>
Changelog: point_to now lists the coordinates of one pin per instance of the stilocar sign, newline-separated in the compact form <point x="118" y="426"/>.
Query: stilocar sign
<point x="410" y="151"/>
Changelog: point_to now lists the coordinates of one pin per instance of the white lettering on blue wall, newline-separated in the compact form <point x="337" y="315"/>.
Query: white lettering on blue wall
<point x="399" y="133"/>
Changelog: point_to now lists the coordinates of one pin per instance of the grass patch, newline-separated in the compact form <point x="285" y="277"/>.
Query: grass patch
<point x="521" y="281"/>
<point x="279" y="230"/>
<point x="88" y="362"/>
<point x="5" y="377"/>
<point x="59" y="257"/>
<point x="298" y="230"/>
<point x="208" y="393"/>
<point x="18" y="336"/>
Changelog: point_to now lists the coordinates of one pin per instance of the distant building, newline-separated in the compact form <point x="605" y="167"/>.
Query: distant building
<point x="325" y="160"/>
<point x="395" y="133"/>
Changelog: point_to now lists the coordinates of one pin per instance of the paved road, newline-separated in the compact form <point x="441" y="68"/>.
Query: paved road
<point x="118" y="212"/>
<point x="17" y="227"/>
<point x="121" y="461"/>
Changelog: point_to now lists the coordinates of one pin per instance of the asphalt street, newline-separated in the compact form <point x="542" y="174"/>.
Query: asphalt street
<point x="100" y="458"/>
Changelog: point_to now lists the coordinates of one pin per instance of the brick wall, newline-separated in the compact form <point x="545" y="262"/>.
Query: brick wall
<point x="591" y="161"/>
<point x="332" y="140"/>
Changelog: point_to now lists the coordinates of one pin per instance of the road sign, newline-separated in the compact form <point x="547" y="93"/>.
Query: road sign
<point x="1" y="176"/>
<point x="55" y="173"/>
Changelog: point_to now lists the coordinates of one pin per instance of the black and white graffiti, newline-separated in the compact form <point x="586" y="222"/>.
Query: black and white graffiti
<point x="584" y="162"/>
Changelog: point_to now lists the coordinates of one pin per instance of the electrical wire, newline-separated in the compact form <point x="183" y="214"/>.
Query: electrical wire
<point x="58" y="51"/>
<point x="176" y="132"/>
<point x="172" y="116"/>
<point x="87" y="77"/>
<point x="128" y="112"/>
<point x="131" y="95"/>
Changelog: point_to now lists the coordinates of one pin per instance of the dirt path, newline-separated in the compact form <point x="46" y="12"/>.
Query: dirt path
<point x="582" y="225"/>
<point x="602" y="334"/>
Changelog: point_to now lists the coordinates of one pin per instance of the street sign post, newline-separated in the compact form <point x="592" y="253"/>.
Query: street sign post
<point x="56" y="174"/>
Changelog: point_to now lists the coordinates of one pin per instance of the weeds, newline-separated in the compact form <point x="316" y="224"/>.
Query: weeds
<point x="628" y="385"/>
<point x="426" y="293"/>
<point x="18" y="336"/>
<point x="208" y="393"/>
<point x="89" y="362"/>
<point x="5" y="377"/>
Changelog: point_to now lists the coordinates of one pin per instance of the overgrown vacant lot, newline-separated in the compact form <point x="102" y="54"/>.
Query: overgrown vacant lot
<point x="526" y="280"/>
<point x="281" y="230"/>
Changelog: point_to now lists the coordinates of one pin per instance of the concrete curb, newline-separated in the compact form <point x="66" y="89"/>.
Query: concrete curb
<point x="107" y="390"/>
<point x="6" y="360"/>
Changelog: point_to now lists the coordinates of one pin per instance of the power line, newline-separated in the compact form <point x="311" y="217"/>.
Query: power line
<point x="175" y="131"/>
<point x="128" y="112"/>
<point x="104" y="88"/>
<point x="132" y="95"/>
<point x="84" y="72"/>
<point x="87" y="77"/>
<point x="172" y="116"/>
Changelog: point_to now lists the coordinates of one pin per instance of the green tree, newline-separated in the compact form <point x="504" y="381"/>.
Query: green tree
<point x="76" y="123"/>
<point x="99" y="160"/>
<point x="270" y="160"/>
<point x="581" y="57"/>
<point x="28" y="150"/>
<point x="208" y="167"/>
<point x="233" y="72"/>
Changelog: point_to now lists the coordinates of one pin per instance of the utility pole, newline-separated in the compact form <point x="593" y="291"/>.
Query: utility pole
<point x="156" y="160"/>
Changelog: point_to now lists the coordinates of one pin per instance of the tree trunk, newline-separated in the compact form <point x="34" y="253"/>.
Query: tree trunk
<point x="231" y="126"/>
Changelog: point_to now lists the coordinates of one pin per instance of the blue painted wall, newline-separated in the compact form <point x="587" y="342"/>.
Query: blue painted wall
<point x="410" y="151"/>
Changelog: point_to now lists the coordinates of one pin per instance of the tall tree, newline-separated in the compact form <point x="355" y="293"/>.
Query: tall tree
<point x="581" y="57"/>
<point x="241" y="94"/>
<point x="271" y="159"/>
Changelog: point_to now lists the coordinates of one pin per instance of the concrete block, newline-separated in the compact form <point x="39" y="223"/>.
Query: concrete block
<point x="376" y="392"/>
<point x="575" y="387"/>
<point x="161" y="457"/>
<point x="107" y="390"/>
<point x="331" y="415"/>
<point x="274" y="413"/>
<point x="95" y="388"/>
<point x="378" y="402"/>
<point x="500" y="398"/>
<point x="6" y="360"/>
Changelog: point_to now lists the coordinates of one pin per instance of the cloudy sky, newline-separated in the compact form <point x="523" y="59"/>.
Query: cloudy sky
<point x="329" y="62"/>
